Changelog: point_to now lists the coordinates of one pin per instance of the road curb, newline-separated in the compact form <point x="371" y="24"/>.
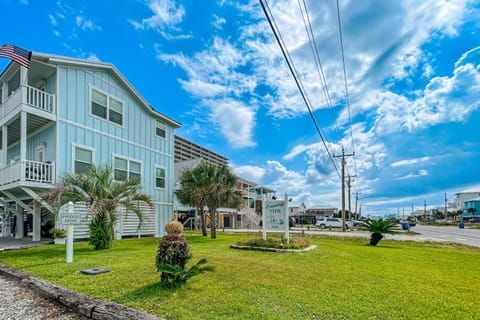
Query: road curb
<point x="89" y="307"/>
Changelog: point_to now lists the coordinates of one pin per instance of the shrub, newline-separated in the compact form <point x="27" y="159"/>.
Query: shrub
<point x="172" y="258"/>
<point x="377" y="227"/>
<point x="99" y="235"/>
<point x="275" y="242"/>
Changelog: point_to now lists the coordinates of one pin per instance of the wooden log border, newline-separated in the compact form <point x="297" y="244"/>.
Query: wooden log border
<point x="89" y="307"/>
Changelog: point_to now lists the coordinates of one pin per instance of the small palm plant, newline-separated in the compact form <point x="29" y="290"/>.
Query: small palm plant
<point x="377" y="228"/>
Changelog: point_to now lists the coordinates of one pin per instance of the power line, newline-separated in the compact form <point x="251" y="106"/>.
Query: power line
<point x="347" y="100"/>
<point x="291" y="66"/>
<point x="318" y="62"/>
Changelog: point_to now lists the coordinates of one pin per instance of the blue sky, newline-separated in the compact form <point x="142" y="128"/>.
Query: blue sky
<point x="413" y="74"/>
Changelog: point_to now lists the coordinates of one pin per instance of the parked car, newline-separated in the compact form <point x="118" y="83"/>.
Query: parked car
<point x="331" y="223"/>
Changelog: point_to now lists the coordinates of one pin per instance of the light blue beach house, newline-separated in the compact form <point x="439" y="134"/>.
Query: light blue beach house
<point x="62" y="114"/>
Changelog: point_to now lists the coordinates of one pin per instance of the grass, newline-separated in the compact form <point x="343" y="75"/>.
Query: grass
<point x="341" y="279"/>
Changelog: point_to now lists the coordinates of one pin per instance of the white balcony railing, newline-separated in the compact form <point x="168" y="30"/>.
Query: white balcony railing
<point x="29" y="96"/>
<point x="28" y="171"/>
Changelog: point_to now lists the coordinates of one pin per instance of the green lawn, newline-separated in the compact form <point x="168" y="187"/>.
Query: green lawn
<point x="341" y="279"/>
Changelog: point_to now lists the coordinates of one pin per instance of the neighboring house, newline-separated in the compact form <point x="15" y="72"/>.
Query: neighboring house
<point x="63" y="114"/>
<point x="469" y="206"/>
<point x="187" y="155"/>
<point x="297" y="210"/>
<point x="322" y="212"/>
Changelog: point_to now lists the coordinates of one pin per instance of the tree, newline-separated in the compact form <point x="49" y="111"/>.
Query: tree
<point x="191" y="183"/>
<point x="104" y="196"/>
<point x="210" y="185"/>
<point x="472" y="211"/>
<point x="377" y="228"/>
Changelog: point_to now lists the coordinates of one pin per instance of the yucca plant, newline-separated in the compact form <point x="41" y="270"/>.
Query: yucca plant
<point x="377" y="228"/>
<point x="178" y="276"/>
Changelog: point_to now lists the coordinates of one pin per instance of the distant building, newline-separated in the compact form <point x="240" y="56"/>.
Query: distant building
<point x="297" y="210"/>
<point x="471" y="208"/>
<point x="187" y="156"/>
<point x="461" y="197"/>
<point x="188" y="150"/>
<point x="321" y="212"/>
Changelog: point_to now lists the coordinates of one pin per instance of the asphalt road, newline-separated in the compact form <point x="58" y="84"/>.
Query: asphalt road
<point x="469" y="237"/>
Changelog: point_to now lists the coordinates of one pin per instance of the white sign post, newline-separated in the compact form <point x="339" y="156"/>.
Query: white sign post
<point x="70" y="218"/>
<point x="275" y="217"/>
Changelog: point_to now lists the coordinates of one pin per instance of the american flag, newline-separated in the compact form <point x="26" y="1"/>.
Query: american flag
<point x="17" y="54"/>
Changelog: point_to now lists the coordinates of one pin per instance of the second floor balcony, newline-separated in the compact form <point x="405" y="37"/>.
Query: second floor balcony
<point x="30" y="99"/>
<point x="27" y="173"/>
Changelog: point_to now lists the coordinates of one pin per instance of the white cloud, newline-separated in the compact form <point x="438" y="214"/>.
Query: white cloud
<point x="444" y="99"/>
<point x="408" y="162"/>
<point x="251" y="173"/>
<point x="296" y="151"/>
<point x="165" y="19"/>
<point x="236" y="121"/>
<point x="218" y="22"/>
<point x="419" y="173"/>
<point x="86" y="24"/>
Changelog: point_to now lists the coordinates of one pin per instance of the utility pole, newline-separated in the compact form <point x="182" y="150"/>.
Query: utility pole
<point x="343" y="184"/>
<point x="356" y="202"/>
<point x="446" y="207"/>
<point x="425" y="209"/>
<point x="349" y="201"/>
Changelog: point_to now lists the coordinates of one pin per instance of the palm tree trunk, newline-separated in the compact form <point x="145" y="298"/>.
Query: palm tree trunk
<point x="375" y="238"/>
<point x="202" y="222"/>
<point x="213" y="223"/>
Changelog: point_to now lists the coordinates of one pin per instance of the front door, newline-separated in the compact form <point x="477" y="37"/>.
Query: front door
<point x="40" y="153"/>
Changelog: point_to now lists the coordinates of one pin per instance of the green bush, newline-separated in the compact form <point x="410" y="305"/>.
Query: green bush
<point x="99" y="235"/>
<point x="172" y="258"/>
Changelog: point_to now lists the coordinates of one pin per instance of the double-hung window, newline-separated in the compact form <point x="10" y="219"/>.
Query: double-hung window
<point x="83" y="159"/>
<point x="160" y="178"/>
<point x="126" y="169"/>
<point x="107" y="107"/>
<point x="160" y="129"/>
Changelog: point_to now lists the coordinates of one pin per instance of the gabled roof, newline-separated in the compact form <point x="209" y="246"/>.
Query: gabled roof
<point x="61" y="60"/>
<point x="181" y="166"/>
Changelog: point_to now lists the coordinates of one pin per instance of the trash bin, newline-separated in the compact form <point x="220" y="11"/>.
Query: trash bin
<point x="405" y="226"/>
<point x="461" y="225"/>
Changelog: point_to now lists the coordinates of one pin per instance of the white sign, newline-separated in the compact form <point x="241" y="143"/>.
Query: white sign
<point x="275" y="217"/>
<point x="71" y="218"/>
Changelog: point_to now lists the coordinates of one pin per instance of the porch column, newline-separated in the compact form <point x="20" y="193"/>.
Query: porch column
<point x="4" y="92"/>
<point x="19" y="229"/>
<point x="23" y="75"/>
<point x="37" y="219"/>
<point x="23" y="136"/>
<point x="3" y="158"/>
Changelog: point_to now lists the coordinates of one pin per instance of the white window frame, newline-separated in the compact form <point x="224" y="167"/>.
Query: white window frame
<point x="164" y="128"/>
<point x="128" y="166"/>
<point x="109" y="96"/>
<point x="155" y="177"/>
<point x="40" y="153"/>
<point x="74" y="146"/>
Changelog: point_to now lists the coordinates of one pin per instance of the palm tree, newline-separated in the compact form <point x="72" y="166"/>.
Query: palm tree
<point x="191" y="182"/>
<point x="377" y="228"/>
<point x="104" y="196"/>
<point x="210" y="185"/>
